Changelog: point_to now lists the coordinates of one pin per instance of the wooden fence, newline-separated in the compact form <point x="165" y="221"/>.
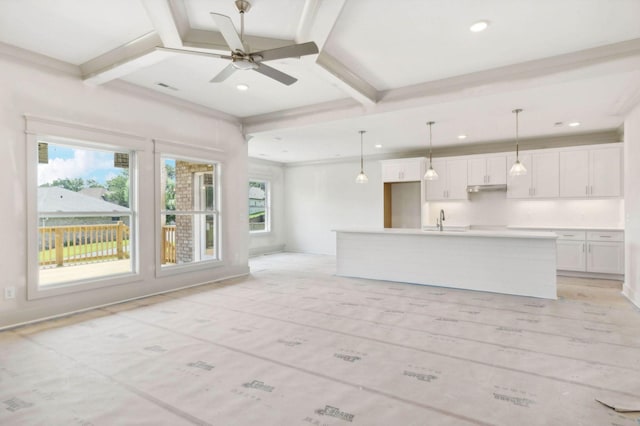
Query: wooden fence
<point x="59" y="245"/>
<point x="168" y="244"/>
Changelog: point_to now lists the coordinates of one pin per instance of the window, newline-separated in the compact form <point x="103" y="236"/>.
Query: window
<point x="189" y="212"/>
<point x="259" y="208"/>
<point x="85" y="212"/>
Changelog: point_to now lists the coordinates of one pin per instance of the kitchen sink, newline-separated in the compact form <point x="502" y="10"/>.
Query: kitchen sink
<point x="458" y="228"/>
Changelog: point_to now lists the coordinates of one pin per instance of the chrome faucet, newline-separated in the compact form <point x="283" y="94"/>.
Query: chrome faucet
<point x="439" y="222"/>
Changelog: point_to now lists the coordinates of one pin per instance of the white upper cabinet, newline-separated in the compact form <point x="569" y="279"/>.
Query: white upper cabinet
<point x="591" y="173"/>
<point x="605" y="168"/>
<point x="487" y="170"/>
<point x="403" y="170"/>
<point x="541" y="180"/>
<point x="451" y="183"/>
<point x="457" y="180"/>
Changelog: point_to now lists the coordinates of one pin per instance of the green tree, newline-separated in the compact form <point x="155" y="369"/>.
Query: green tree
<point x="119" y="189"/>
<point x="75" y="184"/>
<point x="92" y="183"/>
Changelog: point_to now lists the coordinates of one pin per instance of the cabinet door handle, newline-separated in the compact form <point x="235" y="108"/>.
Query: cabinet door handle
<point x="589" y="248"/>
<point x="605" y="236"/>
<point x="488" y="178"/>
<point x="586" y="190"/>
<point x="568" y="235"/>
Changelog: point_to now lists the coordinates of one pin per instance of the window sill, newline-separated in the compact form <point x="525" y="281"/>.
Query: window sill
<point x="51" y="290"/>
<point x="257" y="233"/>
<point x="186" y="268"/>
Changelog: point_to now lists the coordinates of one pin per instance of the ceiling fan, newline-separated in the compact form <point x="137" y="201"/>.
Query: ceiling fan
<point x="242" y="59"/>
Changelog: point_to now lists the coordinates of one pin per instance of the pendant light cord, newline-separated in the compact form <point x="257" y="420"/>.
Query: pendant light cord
<point x="361" y="153"/>
<point x="517" y="111"/>
<point x="430" y="123"/>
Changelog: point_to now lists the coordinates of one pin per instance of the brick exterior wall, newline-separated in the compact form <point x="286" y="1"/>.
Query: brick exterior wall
<point x="184" y="201"/>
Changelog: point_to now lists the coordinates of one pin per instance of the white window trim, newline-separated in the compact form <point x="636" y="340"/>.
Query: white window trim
<point x="39" y="129"/>
<point x="164" y="149"/>
<point x="267" y="221"/>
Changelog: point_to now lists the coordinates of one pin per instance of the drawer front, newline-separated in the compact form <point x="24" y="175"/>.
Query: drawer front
<point x="605" y="236"/>
<point x="565" y="234"/>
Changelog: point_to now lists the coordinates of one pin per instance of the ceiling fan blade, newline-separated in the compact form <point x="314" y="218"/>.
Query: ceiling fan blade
<point x="225" y="25"/>
<point x="275" y="74"/>
<point x="293" y="51"/>
<point x="193" y="52"/>
<point x="224" y="74"/>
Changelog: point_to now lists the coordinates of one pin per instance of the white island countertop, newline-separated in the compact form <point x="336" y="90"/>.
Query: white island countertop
<point x="504" y="233"/>
<point x="571" y="228"/>
<point x="501" y="261"/>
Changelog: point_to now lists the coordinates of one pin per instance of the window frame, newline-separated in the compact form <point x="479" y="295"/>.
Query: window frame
<point x="185" y="152"/>
<point x="81" y="136"/>
<point x="267" y="207"/>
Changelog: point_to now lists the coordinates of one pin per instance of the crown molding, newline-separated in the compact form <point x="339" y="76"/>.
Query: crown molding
<point x="38" y="60"/>
<point x="491" y="147"/>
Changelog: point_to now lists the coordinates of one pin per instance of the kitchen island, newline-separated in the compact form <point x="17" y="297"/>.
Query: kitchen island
<point x="505" y="261"/>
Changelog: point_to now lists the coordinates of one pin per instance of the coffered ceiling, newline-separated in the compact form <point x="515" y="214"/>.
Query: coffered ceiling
<point x="384" y="66"/>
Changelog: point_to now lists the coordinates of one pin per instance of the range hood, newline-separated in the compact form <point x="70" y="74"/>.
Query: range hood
<point x="484" y="188"/>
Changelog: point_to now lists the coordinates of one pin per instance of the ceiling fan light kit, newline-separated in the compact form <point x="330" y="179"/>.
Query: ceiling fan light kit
<point x="244" y="60"/>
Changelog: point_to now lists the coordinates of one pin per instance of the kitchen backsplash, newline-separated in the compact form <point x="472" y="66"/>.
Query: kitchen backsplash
<point x="494" y="209"/>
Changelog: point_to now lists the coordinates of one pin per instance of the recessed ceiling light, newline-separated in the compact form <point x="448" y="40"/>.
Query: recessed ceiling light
<point x="462" y="136"/>
<point x="479" y="26"/>
<point x="242" y="87"/>
<point x="574" y="124"/>
<point x="378" y="146"/>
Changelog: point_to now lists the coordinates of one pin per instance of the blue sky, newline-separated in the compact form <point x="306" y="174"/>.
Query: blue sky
<point x="71" y="163"/>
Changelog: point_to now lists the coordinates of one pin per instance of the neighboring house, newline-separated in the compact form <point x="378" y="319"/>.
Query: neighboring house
<point x="99" y="193"/>
<point x="55" y="200"/>
<point x="257" y="201"/>
<point x="257" y="205"/>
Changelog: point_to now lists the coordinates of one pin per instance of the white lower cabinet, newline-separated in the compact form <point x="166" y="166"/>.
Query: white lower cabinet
<point x="593" y="251"/>
<point x="570" y="256"/>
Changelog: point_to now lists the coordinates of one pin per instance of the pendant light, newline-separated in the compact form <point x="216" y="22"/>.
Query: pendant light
<point x="361" y="178"/>
<point x="431" y="174"/>
<point x="518" y="169"/>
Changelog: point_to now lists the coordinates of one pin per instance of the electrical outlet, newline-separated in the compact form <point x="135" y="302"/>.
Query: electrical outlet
<point x="9" y="293"/>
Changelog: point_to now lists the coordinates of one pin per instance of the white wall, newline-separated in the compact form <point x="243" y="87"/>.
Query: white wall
<point x="44" y="92"/>
<point x="494" y="209"/>
<point x="631" y="287"/>
<point x="323" y="197"/>
<point x="406" y="210"/>
<point x="273" y="241"/>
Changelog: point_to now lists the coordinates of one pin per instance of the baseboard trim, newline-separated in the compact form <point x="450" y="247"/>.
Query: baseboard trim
<point x="630" y="294"/>
<point x="259" y="251"/>
<point x="615" y="277"/>
<point x="78" y="311"/>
